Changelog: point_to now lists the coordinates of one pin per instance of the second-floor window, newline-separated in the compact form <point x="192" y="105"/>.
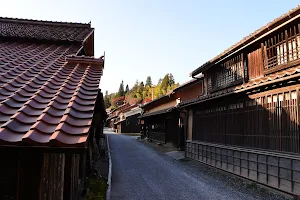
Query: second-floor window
<point x="282" y="48"/>
<point x="228" y="72"/>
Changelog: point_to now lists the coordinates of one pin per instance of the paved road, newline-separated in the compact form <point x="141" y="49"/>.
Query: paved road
<point x="139" y="172"/>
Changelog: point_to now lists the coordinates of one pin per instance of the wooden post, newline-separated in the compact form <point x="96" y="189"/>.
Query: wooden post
<point x="264" y="60"/>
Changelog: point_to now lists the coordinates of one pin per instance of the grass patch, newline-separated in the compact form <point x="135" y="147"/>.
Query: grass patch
<point x="132" y="134"/>
<point x="184" y="160"/>
<point x="97" y="189"/>
<point x="252" y="186"/>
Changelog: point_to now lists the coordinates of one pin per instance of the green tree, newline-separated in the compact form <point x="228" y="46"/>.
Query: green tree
<point x="141" y="87"/>
<point x="107" y="103"/>
<point x="165" y="82"/>
<point x="121" y="90"/>
<point x="127" y="89"/>
<point x="171" y="79"/>
<point x="159" y="81"/>
<point x="148" y="81"/>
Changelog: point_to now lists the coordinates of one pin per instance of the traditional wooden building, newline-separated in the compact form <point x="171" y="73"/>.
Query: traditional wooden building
<point x="48" y="88"/>
<point x="247" y="122"/>
<point x="161" y="120"/>
<point x="115" y="116"/>
<point x="128" y="120"/>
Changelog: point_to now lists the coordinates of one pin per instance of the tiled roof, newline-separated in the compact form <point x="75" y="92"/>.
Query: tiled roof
<point x="44" y="30"/>
<point x="188" y="83"/>
<point x="263" y="30"/>
<point x="46" y="98"/>
<point x="155" y="100"/>
<point x="258" y="82"/>
<point x="159" y="112"/>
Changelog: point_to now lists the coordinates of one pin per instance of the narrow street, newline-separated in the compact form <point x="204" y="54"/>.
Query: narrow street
<point x="139" y="172"/>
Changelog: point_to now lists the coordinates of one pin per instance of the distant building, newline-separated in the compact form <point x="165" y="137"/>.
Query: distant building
<point x="161" y="120"/>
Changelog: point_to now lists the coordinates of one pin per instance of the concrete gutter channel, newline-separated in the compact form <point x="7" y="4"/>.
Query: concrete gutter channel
<point x="108" y="190"/>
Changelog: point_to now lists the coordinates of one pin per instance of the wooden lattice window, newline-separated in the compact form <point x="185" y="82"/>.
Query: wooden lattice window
<point x="264" y="121"/>
<point x="282" y="48"/>
<point x="229" y="71"/>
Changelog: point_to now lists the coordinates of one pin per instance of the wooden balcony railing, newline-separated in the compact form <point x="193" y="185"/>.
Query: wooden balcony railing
<point x="282" y="49"/>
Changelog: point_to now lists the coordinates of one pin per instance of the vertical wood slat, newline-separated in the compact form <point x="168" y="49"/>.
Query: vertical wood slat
<point x="270" y="123"/>
<point x="52" y="178"/>
<point x="255" y="63"/>
<point x="282" y="47"/>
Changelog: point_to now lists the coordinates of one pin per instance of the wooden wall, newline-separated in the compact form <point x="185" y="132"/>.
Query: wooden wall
<point x="190" y="92"/>
<point x="268" y="120"/>
<point x="52" y="179"/>
<point x="255" y="64"/>
<point x="9" y="169"/>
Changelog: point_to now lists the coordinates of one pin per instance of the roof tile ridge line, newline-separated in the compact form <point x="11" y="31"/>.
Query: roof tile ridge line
<point x="30" y="80"/>
<point x="40" y="118"/>
<point x="47" y="82"/>
<point x="23" y="63"/>
<point x="17" y="44"/>
<point x="84" y="60"/>
<point x="11" y="44"/>
<point x="45" y="22"/>
<point x="49" y="104"/>
<point x="67" y="111"/>
<point x="29" y="68"/>
<point x="29" y="100"/>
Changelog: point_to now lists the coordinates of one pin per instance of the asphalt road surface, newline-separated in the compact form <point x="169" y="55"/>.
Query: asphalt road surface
<point x="139" y="172"/>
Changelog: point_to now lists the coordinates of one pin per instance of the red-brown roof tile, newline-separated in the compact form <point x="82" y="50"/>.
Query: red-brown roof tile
<point x="46" y="97"/>
<point x="260" y="81"/>
<point x="44" y="30"/>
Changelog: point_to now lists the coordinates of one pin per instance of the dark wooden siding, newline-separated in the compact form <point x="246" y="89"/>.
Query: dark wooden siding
<point x="225" y="74"/>
<point x="29" y="175"/>
<point x="131" y="124"/>
<point x="255" y="64"/>
<point x="20" y="174"/>
<point x="9" y="175"/>
<point x="52" y="180"/>
<point x="164" y="128"/>
<point x="266" y="121"/>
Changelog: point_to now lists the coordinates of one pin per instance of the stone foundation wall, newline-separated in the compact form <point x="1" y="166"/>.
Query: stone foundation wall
<point x="280" y="171"/>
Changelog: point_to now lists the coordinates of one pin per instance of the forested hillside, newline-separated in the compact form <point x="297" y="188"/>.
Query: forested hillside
<point x="140" y="92"/>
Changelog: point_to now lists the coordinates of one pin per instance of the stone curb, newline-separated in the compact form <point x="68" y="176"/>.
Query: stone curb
<point x="108" y="190"/>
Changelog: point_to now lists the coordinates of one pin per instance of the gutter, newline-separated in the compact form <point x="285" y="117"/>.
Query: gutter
<point x="108" y="190"/>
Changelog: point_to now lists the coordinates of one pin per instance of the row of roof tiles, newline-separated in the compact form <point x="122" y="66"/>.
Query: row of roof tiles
<point x="290" y="73"/>
<point x="44" y="100"/>
<point x="43" y="30"/>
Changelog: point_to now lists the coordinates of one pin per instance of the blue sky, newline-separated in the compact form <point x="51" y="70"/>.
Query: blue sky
<point x="153" y="37"/>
